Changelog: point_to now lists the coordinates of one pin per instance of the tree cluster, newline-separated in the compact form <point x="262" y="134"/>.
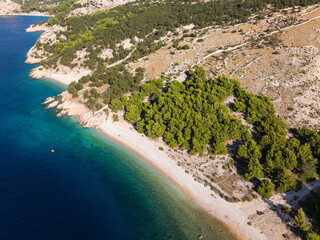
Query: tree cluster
<point x="272" y="154"/>
<point x="188" y="115"/>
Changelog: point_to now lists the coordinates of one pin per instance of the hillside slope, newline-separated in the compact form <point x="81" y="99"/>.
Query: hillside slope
<point x="8" y="7"/>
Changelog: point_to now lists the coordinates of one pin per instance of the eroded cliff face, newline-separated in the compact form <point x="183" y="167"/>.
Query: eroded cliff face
<point x="8" y="7"/>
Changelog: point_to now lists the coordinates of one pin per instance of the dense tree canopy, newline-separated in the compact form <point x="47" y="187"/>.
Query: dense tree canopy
<point x="188" y="115"/>
<point x="191" y="115"/>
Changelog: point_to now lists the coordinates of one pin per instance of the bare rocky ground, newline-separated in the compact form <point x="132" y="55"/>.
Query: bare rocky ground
<point x="8" y="7"/>
<point x="91" y="6"/>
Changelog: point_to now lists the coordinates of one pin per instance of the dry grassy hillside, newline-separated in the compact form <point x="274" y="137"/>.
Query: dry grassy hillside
<point x="277" y="56"/>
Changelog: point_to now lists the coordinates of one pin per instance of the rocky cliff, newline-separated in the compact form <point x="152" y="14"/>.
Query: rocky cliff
<point x="8" y="7"/>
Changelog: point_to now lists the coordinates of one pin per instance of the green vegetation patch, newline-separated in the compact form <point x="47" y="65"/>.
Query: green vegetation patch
<point x="265" y="188"/>
<point x="190" y="115"/>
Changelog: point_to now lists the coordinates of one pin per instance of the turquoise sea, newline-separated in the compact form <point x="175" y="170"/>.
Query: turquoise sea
<point x="90" y="187"/>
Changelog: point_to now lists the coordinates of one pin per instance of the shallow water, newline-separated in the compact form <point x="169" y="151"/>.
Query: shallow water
<point x="90" y="187"/>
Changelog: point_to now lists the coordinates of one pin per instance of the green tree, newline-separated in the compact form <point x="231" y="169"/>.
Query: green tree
<point x="300" y="220"/>
<point x="141" y="126"/>
<point x="254" y="169"/>
<point x="307" y="164"/>
<point x="154" y="129"/>
<point x="116" y="105"/>
<point x="312" y="236"/>
<point x="265" y="188"/>
<point x="132" y="112"/>
<point x="284" y="180"/>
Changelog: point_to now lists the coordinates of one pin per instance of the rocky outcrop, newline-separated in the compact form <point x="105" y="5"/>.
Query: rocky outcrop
<point x="36" y="73"/>
<point x="66" y="106"/>
<point x="48" y="100"/>
<point x="52" y="105"/>
<point x="8" y="7"/>
<point x="65" y="96"/>
<point x="86" y="118"/>
<point x="32" y="56"/>
<point x="38" y="28"/>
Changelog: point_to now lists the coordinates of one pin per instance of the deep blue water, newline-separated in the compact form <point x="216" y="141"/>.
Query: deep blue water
<point x="90" y="187"/>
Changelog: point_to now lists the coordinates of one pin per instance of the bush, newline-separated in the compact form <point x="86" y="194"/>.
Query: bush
<point x="285" y="235"/>
<point x="185" y="47"/>
<point x="115" y="118"/>
<point x="260" y="213"/>
<point x="99" y="106"/>
<point x="246" y="199"/>
<point x="285" y="209"/>
<point x="73" y="90"/>
<point x="79" y="86"/>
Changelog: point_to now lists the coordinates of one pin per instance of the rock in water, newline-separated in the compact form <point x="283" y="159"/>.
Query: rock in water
<point x="52" y="105"/>
<point x="48" y="100"/>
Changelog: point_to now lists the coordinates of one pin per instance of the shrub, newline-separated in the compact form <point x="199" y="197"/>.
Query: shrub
<point x="115" y="118"/>
<point x="246" y="199"/>
<point x="285" y="235"/>
<point x="185" y="47"/>
<point x="285" y="209"/>
<point x="260" y="212"/>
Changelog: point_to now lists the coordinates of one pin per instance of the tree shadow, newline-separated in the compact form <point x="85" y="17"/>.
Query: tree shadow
<point x="232" y="150"/>
<point x="286" y="217"/>
<point x="293" y="199"/>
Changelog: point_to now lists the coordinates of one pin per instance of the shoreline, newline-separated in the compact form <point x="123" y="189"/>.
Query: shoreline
<point x="57" y="81"/>
<point x="234" y="216"/>
<point x="232" y="229"/>
<point x="228" y="214"/>
<point x="59" y="77"/>
<point x="27" y="14"/>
